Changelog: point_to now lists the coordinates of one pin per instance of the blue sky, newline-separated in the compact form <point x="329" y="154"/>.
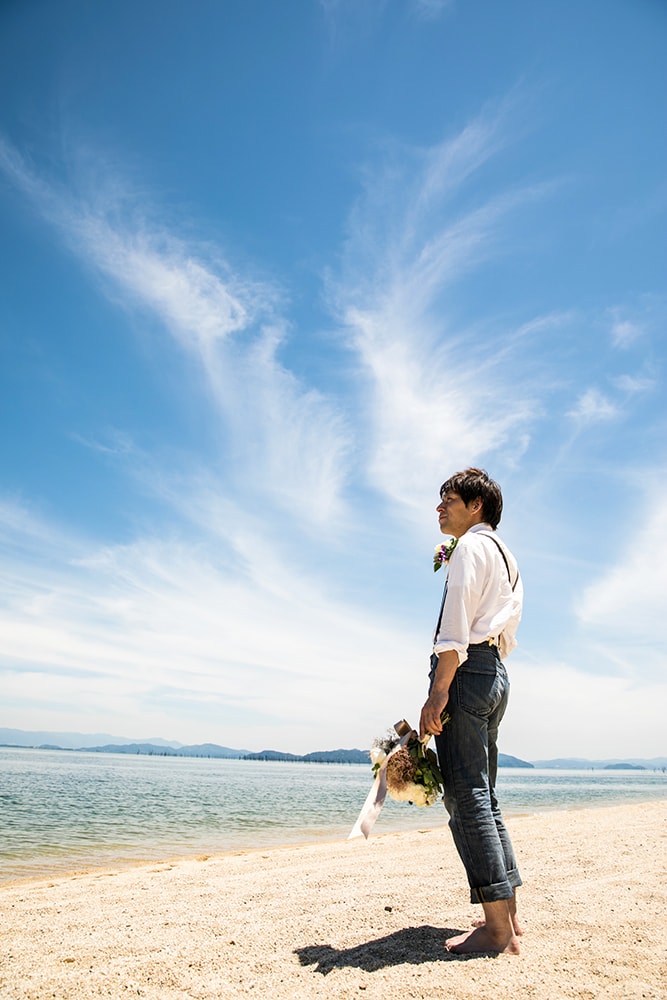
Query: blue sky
<point x="271" y="272"/>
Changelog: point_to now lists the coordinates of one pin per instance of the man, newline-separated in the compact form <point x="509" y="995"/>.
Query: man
<point x="478" y="622"/>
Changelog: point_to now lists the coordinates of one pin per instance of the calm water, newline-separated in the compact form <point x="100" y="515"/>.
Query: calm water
<point x="63" y="811"/>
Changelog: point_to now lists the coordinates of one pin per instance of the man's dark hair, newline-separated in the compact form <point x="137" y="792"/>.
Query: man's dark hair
<point x="475" y="483"/>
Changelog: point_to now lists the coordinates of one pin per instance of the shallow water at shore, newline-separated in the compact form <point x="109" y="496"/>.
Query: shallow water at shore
<point x="71" y="810"/>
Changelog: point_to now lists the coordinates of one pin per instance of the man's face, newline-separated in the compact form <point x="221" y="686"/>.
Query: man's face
<point x="455" y="517"/>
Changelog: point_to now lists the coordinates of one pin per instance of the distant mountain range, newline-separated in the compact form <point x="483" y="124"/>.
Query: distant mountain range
<point x="73" y="741"/>
<point x="105" y="743"/>
<point x="611" y="764"/>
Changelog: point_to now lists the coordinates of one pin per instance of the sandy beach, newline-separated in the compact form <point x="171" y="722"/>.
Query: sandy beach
<point x="353" y="919"/>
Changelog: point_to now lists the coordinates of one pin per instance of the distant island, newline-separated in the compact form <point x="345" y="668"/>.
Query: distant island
<point x="158" y="747"/>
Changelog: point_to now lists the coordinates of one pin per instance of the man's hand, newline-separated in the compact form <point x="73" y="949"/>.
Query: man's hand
<point x="429" y="721"/>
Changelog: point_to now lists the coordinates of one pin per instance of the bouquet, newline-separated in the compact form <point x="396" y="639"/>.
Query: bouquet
<point x="405" y="769"/>
<point x="411" y="766"/>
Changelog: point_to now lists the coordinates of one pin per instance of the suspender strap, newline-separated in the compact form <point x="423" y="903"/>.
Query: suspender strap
<point x="502" y="552"/>
<point x="442" y="608"/>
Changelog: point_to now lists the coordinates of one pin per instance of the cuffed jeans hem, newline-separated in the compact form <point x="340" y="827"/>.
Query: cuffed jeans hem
<point x="498" y="891"/>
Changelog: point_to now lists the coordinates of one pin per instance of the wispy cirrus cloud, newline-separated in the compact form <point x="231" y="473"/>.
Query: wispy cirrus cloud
<point x="432" y="401"/>
<point x="289" y="435"/>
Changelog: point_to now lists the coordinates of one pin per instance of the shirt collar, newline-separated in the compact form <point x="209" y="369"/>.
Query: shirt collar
<point x="484" y="525"/>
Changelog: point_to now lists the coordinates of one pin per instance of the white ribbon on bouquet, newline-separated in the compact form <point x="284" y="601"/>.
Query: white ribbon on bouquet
<point x="372" y="807"/>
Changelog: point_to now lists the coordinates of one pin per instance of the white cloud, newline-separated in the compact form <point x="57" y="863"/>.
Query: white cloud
<point x="288" y="435"/>
<point x="436" y="399"/>
<point x="636" y="325"/>
<point x="624" y="331"/>
<point x="429" y="410"/>
<point x="291" y="436"/>
<point x="627" y="602"/>
<point x="634" y="384"/>
<point x="593" y="406"/>
<point x="198" y="305"/>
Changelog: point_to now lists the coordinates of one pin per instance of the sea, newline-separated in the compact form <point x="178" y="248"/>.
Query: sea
<point x="67" y="811"/>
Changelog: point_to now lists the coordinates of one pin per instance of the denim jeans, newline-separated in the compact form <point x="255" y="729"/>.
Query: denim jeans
<point x="468" y="757"/>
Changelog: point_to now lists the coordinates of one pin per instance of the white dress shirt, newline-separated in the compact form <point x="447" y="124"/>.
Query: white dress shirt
<point x="480" y="603"/>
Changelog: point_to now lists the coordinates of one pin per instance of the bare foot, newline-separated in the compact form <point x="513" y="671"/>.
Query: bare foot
<point x="482" y="940"/>
<point x="496" y="932"/>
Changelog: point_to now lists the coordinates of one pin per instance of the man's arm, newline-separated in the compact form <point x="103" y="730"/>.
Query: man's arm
<point x="448" y="663"/>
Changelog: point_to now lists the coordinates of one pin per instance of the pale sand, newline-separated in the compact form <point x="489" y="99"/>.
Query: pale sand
<point x="353" y="919"/>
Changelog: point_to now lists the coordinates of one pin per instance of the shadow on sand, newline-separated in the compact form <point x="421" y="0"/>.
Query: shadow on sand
<point x="410" y="946"/>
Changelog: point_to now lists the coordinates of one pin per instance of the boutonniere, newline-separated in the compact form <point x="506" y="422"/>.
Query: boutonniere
<point x="443" y="553"/>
